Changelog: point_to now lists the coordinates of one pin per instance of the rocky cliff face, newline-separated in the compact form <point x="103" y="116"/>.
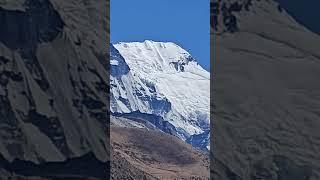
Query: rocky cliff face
<point x="266" y="95"/>
<point x="53" y="80"/>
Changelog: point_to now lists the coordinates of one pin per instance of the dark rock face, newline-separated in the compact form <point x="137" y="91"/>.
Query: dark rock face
<point x="40" y="22"/>
<point x="200" y="140"/>
<point x="86" y="166"/>
<point x="121" y="68"/>
<point x="23" y="30"/>
<point x="179" y="65"/>
<point x="223" y="14"/>
<point x="53" y="81"/>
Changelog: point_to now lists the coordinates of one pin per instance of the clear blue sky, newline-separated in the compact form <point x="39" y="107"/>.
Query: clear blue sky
<point x="184" y="22"/>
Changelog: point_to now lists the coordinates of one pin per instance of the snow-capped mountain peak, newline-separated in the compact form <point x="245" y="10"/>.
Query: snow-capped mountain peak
<point x="163" y="80"/>
<point x="160" y="56"/>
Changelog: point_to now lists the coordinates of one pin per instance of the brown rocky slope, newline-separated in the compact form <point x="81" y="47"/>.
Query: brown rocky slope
<point x="146" y="154"/>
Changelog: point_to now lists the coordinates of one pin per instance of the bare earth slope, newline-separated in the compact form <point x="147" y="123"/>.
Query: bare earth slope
<point x="146" y="154"/>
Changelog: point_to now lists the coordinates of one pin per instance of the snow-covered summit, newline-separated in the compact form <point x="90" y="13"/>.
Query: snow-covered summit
<point x="164" y="80"/>
<point x="159" y="57"/>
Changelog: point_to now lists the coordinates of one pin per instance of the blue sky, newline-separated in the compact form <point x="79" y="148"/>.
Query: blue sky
<point x="184" y="22"/>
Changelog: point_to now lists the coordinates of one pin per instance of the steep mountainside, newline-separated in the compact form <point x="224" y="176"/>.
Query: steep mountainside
<point x="53" y="80"/>
<point x="162" y="80"/>
<point x="266" y="93"/>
